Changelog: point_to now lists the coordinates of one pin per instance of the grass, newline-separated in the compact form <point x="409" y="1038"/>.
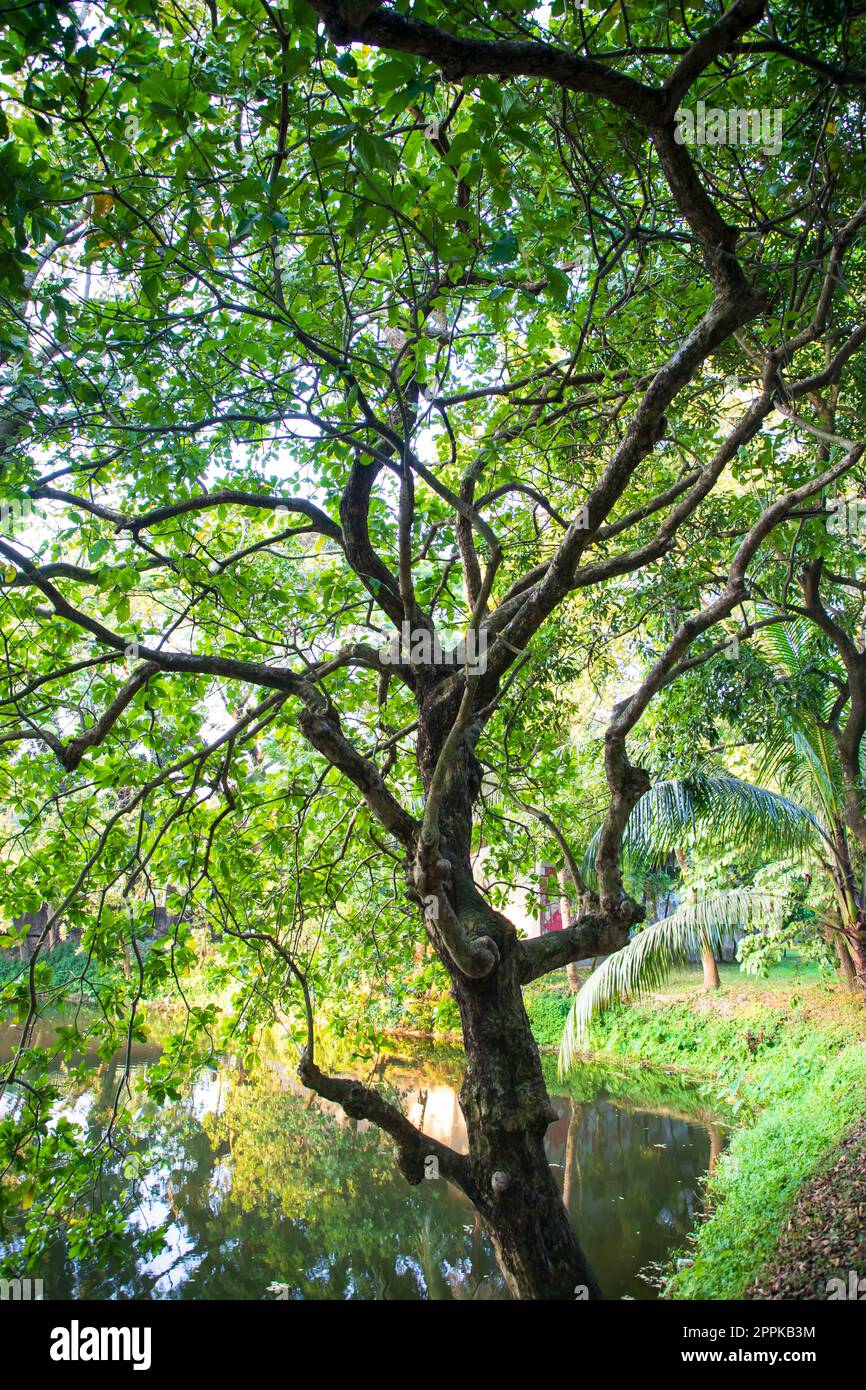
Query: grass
<point x="789" y="973"/>
<point x="60" y="966"/>
<point x="758" y="1178"/>
<point x="786" y="1055"/>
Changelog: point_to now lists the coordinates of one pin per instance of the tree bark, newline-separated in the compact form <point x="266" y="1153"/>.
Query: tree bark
<point x="856" y="938"/>
<point x="507" y="1111"/>
<point x="846" y="964"/>
<point x="710" y="968"/>
<point x="853" y="915"/>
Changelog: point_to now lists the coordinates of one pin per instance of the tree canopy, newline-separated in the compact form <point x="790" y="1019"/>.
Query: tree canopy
<point x="389" y="390"/>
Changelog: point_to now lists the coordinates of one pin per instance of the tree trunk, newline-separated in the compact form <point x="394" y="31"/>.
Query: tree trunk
<point x="856" y="937"/>
<point x="571" y="969"/>
<point x="846" y="964"/>
<point x="852" y="915"/>
<point x="711" y="969"/>
<point x="507" y="1111"/>
<point x="504" y="1100"/>
<point x="708" y="959"/>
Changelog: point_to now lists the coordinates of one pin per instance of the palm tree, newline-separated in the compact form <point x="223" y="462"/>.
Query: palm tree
<point x="708" y="955"/>
<point x="645" y="963"/>
<point x="803" y="822"/>
<point x="801" y="757"/>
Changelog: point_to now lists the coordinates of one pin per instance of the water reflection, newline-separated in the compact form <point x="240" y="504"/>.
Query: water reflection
<point x="256" y="1181"/>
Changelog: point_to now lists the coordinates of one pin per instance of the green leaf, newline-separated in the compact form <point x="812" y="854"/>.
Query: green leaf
<point x="504" y="250"/>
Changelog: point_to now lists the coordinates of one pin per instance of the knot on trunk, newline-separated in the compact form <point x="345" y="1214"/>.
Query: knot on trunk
<point x="473" y="954"/>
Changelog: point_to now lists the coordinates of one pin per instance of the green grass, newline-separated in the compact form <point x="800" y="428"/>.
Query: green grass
<point x="789" y="973"/>
<point x="759" y="1176"/>
<point x="64" y="961"/>
<point x="785" y="1055"/>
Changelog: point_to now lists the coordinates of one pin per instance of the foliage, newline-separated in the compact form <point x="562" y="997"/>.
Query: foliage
<point x="712" y="811"/>
<point x="787" y="1068"/>
<point x="65" y="966"/>
<point x="548" y="1010"/>
<point x="306" y="337"/>
<point x="646" y="962"/>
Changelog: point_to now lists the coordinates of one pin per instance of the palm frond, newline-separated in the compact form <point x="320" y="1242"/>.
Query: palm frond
<point x="784" y="644"/>
<point x="645" y="963"/>
<point x="710" y="810"/>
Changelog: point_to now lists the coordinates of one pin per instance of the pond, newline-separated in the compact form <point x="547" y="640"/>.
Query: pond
<point x="255" y="1183"/>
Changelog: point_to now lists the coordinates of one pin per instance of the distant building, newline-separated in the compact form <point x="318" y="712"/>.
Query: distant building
<point x="535" y="908"/>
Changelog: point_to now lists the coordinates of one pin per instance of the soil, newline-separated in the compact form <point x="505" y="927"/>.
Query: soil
<point x="825" y="1235"/>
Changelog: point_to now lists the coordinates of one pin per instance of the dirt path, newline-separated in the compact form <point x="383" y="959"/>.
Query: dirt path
<point x="825" y="1236"/>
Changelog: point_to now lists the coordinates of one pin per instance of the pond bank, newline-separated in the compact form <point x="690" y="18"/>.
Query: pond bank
<point x="789" y="1059"/>
<point x="824" y="1236"/>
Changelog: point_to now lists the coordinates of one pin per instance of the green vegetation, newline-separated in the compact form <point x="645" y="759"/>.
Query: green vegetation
<point x="415" y="447"/>
<point x="786" y="1056"/>
<point x="715" y="814"/>
<point x="62" y="970"/>
<point x="811" y="1099"/>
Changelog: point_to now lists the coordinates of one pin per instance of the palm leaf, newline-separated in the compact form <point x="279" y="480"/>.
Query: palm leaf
<point x="710" y="810"/>
<point x="645" y="963"/>
<point x="784" y="644"/>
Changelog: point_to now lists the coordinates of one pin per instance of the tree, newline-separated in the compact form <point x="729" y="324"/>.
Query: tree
<point x="806" y="825"/>
<point x="359" y="354"/>
<point x="807" y="758"/>
<point x="708" y="957"/>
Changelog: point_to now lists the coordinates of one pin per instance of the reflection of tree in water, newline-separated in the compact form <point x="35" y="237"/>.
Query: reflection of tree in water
<point x="320" y="1207"/>
<point x="256" y="1182"/>
<point x="631" y="1182"/>
<point x="269" y="1189"/>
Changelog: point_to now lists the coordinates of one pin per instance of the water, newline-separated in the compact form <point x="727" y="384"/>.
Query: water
<point x="256" y="1183"/>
